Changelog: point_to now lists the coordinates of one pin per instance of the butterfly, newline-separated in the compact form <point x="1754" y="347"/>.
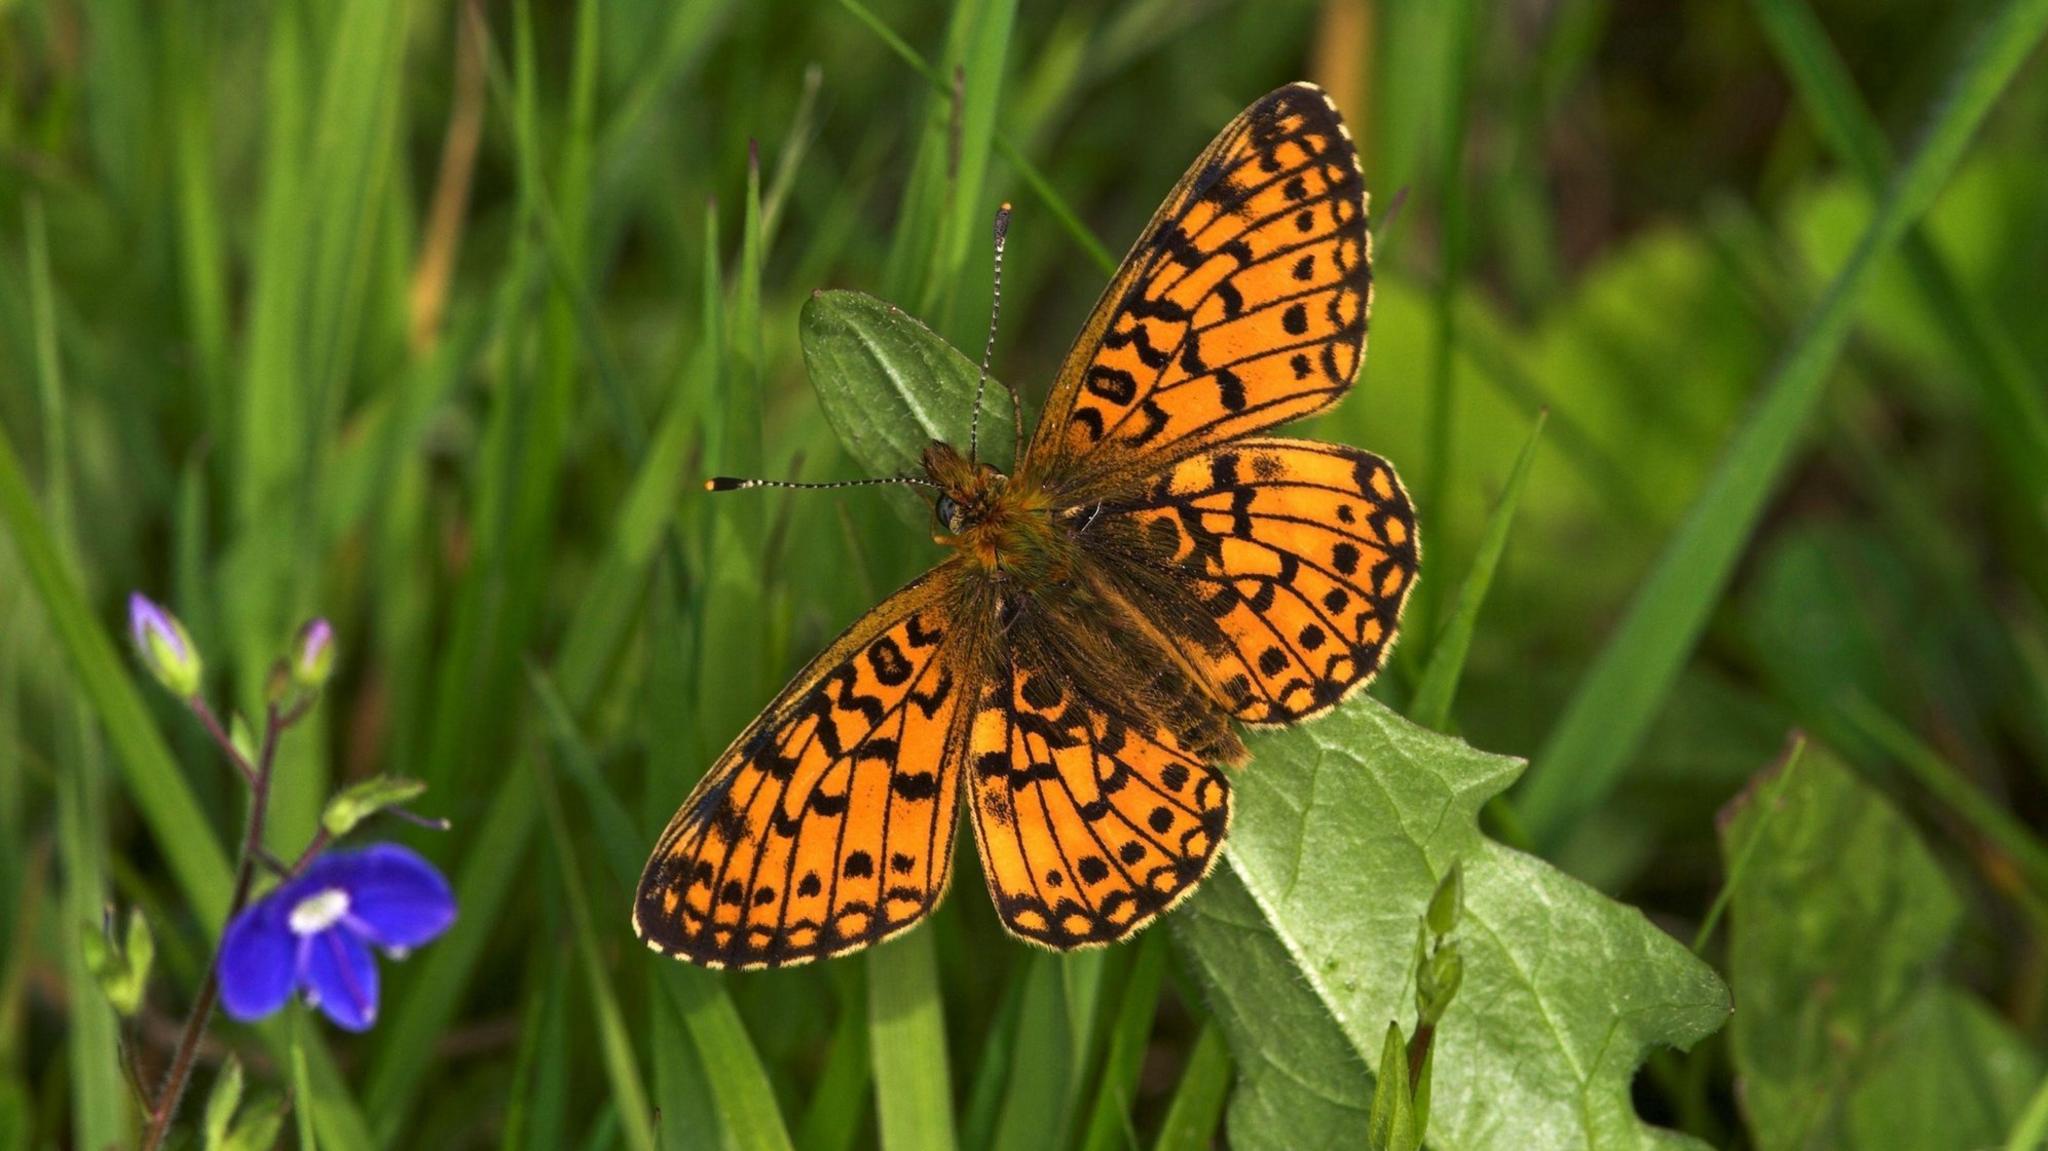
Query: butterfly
<point x="1156" y="571"/>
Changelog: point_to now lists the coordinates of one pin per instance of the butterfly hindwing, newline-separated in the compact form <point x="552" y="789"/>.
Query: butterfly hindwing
<point x="1242" y="306"/>
<point x="1092" y="818"/>
<point x="1277" y="567"/>
<point x="828" y="824"/>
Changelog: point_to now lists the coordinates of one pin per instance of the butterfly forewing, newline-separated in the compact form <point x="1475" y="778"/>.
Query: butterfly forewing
<point x="1277" y="567"/>
<point x="828" y="824"/>
<point x="1243" y="305"/>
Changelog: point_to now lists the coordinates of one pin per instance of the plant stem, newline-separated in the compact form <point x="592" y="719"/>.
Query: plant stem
<point x="221" y="737"/>
<point x="172" y="1092"/>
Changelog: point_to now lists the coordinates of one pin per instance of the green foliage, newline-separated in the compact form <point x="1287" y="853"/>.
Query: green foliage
<point x="122" y="966"/>
<point x="436" y="317"/>
<point x="359" y="801"/>
<point x="891" y="387"/>
<point x="1563" y="992"/>
<point x="1849" y="1036"/>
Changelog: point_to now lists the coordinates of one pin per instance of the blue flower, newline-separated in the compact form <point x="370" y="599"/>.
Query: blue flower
<point x="314" y="933"/>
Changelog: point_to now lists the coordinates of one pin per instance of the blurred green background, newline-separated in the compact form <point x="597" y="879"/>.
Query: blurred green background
<point x="430" y="317"/>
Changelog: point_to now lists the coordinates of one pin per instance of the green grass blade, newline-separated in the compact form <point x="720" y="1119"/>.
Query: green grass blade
<point x="984" y="1100"/>
<point x="2014" y="396"/>
<point x="907" y="1037"/>
<point x="616" y="832"/>
<point x="621" y="1068"/>
<point x="1040" y="1093"/>
<point x="202" y="247"/>
<point x="1587" y="751"/>
<point x="1109" y="1124"/>
<point x="98" y="1092"/>
<point x="1432" y="704"/>
<point x="1197" y="1107"/>
<point x="2032" y="1129"/>
<point x="1062" y="212"/>
<point x="153" y="778"/>
<point x="831" y="1121"/>
<point x="1983" y="814"/>
<point x="404" y="1045"/>
<point x="739" y="1083"/>
<point x="538" y="1118"/>
<point x="302" y="1087"/>
<point x="1739" y="867"/>
<point x="1462" y="45"/>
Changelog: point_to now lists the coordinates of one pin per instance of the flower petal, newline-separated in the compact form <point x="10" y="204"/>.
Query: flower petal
<point x="396" y="898"/>
<point x="341" y="977"/>
<point x="258" y="962"/>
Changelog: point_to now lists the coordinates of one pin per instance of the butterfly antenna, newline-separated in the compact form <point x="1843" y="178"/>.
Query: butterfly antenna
<point x="988" y="350"/>
<point x="734" y="483"/>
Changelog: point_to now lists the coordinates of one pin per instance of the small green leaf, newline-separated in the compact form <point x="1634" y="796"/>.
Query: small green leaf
<point x="358" y="802"/>
<point x="120" y="968"/>
<point x="1447" y="903"/>
<point x="222" y="1104"/>
<point x="891" y="386"/>
<point x="1392" y="1124"/>
<point x="141" y="947"/>
<point x="259" y="1128"/>
<point x="1436" y="984"/>
<point x="243" y="737"/>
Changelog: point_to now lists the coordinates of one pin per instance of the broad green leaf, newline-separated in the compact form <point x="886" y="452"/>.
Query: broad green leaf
<point x="891" y="386"/>
<point x="1306" y="941"/>
<point x="1847" y="1036"/>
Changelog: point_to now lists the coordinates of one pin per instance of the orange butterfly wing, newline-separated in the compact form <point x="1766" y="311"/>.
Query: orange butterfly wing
<point x="828" y="824"/>
<point x="1092" y="819"/>
<point x="1276" y="567"/>
<point x="1243" y="305"/>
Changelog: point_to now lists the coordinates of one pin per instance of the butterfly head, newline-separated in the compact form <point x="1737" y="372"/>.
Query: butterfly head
<point x="981" y="512"/>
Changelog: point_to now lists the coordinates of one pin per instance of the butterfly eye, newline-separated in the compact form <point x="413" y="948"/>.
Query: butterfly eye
<point x="948" y="513"/>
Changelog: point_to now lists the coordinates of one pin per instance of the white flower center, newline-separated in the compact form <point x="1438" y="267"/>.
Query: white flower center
<point x="319" y="911"/>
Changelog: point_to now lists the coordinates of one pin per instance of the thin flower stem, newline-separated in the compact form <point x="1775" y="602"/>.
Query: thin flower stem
<point x="313" y="848"/>
<point x="298" y="710"/>
<point x="220" y="736"/>
<point x="165" y="1108"/>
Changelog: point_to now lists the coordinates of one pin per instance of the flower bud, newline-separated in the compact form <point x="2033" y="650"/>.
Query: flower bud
<point x="1436" y="984"/>
<point x="121" y="967"/>
<point x="313" y="654"/>
<point x="1448" y="902"/>
<point x="164" y="646"/>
